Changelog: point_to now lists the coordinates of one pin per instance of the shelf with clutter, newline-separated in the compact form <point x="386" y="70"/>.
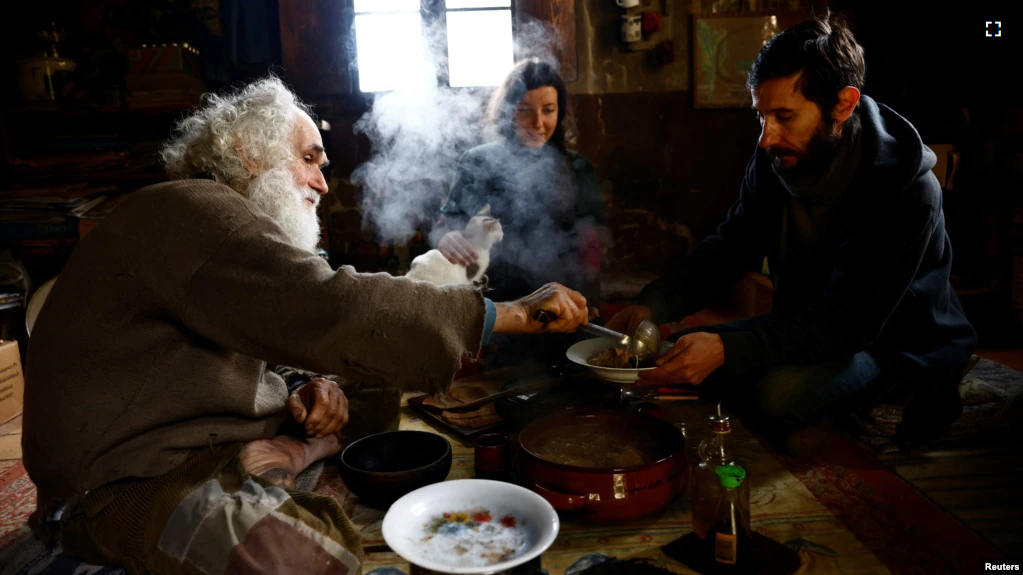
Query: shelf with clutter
<point x="84" y="130"/>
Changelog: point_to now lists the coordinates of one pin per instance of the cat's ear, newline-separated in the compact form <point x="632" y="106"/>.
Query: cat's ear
<point x="484" y="212"/>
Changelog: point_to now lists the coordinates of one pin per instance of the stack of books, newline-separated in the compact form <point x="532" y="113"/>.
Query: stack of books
<point x="53" y="212"/>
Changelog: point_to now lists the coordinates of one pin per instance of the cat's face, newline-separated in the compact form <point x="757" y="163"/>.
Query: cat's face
<point x="484" y="229"/>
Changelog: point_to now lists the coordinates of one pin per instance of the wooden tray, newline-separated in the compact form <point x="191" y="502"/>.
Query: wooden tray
<point x="463" y="432"/>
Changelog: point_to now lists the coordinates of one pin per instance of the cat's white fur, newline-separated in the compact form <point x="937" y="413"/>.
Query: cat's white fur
<point x="483" y="232"/>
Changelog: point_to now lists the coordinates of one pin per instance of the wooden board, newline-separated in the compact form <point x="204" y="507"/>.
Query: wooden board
<point x="434" y="417"/>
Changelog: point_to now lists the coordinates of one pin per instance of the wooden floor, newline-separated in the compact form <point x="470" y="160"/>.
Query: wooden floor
<point x="979" y="485"/>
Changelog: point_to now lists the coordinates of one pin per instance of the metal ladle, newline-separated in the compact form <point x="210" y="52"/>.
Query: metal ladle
<point x="644" y="343"/>
<point x="646" y="340"/>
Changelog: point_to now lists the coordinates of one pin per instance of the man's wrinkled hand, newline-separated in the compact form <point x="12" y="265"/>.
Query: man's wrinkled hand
<point x="690" y="360"/>
<point x="321" y="406"/>
<point x="566" y="308"/>
<point x="457" y="249"/>
<point x="627" y="320"/>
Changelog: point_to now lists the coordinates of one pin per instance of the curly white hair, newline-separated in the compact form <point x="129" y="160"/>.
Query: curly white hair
<point x="257" y="119"/>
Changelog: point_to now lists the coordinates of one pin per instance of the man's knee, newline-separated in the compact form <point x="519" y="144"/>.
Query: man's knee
<point x="775" y="398"/>
<point x="794" y="396"/>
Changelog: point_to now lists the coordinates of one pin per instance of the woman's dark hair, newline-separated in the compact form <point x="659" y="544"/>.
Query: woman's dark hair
<point x="525" y="76"/>
<point x="826" y="53"/>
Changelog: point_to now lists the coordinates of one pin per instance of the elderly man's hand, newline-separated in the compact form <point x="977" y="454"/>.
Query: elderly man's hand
<point x="565" y="308"/>
<point x="690" y="360"/>
<point x="321" y="406"/>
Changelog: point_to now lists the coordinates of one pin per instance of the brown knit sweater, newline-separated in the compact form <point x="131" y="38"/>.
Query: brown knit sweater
<point x="155" y="338"/>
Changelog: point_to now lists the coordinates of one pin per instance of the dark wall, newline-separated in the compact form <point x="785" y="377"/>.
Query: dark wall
<point x="669" y="165"/>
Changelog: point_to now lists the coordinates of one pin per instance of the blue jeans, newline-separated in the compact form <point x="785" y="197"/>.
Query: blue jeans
<point x="794" y="396"/>
<point x="789" y="397"/>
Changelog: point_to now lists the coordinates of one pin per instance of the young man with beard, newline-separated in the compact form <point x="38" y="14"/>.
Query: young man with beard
<point x="149" y="410"/>
<point x="840" y="199"/>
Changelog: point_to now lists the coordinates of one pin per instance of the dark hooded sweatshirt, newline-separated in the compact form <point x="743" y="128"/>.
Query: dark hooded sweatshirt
<point x="875" y="275"/>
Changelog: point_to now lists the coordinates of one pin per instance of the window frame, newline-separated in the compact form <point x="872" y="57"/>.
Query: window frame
<point x="433" y="15"/>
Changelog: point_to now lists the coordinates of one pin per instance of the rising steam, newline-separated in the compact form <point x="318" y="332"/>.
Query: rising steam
<point x="418" y="135"/>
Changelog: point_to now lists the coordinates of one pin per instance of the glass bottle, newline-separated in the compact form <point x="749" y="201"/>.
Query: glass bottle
<point x="730" y="537"/>
<point x="704" y="487"/>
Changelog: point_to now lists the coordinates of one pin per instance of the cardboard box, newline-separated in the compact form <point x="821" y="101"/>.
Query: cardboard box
<point x="12" y="382"/>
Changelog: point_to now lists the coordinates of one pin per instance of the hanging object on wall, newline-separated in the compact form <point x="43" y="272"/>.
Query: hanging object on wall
<point x="747" y="7"/>
<point x="644" y="25"/>
<point x="632" y="28"/>
<point x="46" y="75"/>
<point x="651" y="22"/>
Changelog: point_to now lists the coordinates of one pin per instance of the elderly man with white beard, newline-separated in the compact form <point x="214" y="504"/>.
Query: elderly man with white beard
<point x="150" y="416"/>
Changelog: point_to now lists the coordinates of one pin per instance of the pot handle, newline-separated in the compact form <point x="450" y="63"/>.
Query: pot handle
<point x="564" y="501"/>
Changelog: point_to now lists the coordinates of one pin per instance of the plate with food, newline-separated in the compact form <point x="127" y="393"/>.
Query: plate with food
<point x="466" y="424"/>
<point x="470" y="526"/>
<point x="610" y="362"/>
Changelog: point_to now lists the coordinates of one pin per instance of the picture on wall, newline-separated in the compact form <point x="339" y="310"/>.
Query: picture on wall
<point x="723" y="51"/>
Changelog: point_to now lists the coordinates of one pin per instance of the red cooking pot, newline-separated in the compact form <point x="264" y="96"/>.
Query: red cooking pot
<point x="611" y="466"/>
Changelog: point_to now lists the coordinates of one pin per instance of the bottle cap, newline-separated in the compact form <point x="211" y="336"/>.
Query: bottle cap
<point x="730" y="475"/>
<point x="720" y="424"/>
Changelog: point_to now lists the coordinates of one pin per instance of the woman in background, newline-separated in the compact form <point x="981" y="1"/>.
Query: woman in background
<point x="545" y="196"/>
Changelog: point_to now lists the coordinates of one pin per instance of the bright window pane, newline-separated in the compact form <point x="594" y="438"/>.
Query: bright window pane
<point x="479" y="47"/>
<point x="386" y="5"/>
<point x="478" y="3"/>
<point x="390" y="50"/>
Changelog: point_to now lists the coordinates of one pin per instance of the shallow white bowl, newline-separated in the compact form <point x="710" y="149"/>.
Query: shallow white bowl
<point x="35" y="303"/>
<point x="405" y="524"/>
<point x="584" y="350"/>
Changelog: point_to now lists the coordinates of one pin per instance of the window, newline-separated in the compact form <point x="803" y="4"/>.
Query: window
<point x="392" y="40"/>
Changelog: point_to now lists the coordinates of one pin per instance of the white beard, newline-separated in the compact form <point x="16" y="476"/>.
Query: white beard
<point x="276" y="193"/>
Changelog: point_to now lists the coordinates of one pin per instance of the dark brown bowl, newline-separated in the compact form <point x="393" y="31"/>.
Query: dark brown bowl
<point x="381" y="468"/>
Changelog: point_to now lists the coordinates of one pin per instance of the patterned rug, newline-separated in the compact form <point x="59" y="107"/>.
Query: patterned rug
<point x="905" y="530"/>
<point x="992" y="396"/>
<point x="842" y="512"/>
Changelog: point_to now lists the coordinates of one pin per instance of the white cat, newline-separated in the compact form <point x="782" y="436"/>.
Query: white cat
<point x="482" y="231"/>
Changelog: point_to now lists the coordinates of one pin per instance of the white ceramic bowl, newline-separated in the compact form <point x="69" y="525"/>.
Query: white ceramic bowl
<point x="406" y="524"/>
<point x="584" y="350"/>
<point x="35" y="303"/>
